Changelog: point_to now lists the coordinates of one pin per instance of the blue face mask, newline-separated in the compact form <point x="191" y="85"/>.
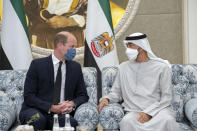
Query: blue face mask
<point x="70" y="54"/>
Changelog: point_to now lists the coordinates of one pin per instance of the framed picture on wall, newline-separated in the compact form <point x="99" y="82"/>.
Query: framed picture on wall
<point x="47" y="17"/>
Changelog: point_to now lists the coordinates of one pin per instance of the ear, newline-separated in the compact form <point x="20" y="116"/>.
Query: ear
<point x="59" y="44"/>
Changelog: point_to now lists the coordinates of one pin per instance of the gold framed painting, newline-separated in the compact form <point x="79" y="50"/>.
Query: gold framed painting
<point x="47" y="17"/>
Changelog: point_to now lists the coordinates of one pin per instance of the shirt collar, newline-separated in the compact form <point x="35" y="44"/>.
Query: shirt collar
<point x="55" y="59"/>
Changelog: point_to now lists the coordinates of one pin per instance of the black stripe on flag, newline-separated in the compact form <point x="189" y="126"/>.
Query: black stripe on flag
<point x="4" y="62"/>
<point x="89" y="61"/>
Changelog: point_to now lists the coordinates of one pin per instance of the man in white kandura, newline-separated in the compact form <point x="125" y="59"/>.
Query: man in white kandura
<point x="144" y="85"/>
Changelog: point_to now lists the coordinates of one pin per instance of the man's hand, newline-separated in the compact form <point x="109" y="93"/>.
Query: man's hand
<point x="56" y="108"/>
<point x="67" y="106"/>
<point x="104" y="102"/>
<point x="143" y="117"/>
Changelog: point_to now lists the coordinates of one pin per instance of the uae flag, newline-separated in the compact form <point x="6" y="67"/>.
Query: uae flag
<point x="14" y="36"/>
<point x="100" y="34"/>
<point x="100" y="48"/>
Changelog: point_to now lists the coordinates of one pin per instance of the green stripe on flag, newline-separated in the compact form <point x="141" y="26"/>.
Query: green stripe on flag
<point x="20" y="11"/>
<point x="105" y="5"/>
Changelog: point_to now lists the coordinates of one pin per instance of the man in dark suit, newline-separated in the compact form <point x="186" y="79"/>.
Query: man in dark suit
<point x="54" y="85"/>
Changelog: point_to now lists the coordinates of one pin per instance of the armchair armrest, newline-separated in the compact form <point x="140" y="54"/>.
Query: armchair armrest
<point x="110" y="116"/>
<point x="191" y="111"/>
<point x="7" y="113"/>
<point x="87" y="115"/>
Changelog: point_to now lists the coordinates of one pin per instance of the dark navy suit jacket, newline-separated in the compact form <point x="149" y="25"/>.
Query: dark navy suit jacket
<point x="39" y="84"/>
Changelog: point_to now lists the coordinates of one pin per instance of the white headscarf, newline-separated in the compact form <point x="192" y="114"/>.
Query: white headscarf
<point x="144" y="44"/>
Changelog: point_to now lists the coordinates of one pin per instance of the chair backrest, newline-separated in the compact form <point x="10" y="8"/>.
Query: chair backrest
<point x="90" y="78"/>
<point x="108" y="77"/>
<point x="184" y="81"/>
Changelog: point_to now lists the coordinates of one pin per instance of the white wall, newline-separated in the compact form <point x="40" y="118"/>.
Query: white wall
<point x="190" y="31"/>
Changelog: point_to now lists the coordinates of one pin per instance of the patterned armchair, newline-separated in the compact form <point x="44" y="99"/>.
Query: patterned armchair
<point x="184" y="80"/>
<point x="87" y="113"/>
<point x="111" y="115"/>
<point x="11" y="99"/>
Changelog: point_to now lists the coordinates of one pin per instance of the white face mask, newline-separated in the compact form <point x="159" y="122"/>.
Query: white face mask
<point x="131" y="53"/>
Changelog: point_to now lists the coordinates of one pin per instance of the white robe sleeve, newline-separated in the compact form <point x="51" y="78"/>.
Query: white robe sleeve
<point x="166" y="93"/>
<point x="115" y="94"/>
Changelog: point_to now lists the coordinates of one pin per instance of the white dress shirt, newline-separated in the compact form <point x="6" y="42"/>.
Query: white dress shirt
<point x="63" y="69"/>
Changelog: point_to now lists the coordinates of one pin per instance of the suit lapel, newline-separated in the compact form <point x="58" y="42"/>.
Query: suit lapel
<point x="50" y="70"/>
<point x="67" y="85"/>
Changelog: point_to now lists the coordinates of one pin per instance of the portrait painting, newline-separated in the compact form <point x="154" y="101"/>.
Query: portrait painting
<point x="47" y="17"/>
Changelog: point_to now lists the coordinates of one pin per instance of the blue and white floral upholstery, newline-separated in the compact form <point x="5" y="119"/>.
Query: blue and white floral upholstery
<point x="87" y="114"/>
<point x="11" y="92"/>
<point x="184" y="80"/>
<point x="111" y="115"/>
<point x="11" y="98"/>
<point x="191" y="111"/>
